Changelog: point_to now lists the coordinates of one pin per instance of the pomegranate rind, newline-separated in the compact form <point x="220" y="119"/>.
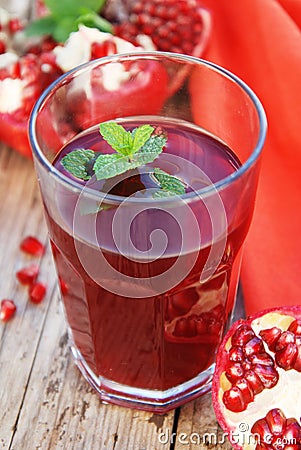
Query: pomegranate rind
<point x="281" y="317"/>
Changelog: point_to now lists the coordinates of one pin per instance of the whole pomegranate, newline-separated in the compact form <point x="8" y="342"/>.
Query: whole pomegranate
<point x="256" y="388"/>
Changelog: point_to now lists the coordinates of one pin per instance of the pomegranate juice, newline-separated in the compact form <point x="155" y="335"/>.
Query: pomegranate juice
<point x="153" y="341"/>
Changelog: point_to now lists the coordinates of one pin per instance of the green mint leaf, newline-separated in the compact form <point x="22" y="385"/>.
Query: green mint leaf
<point x="117" y="137"/>
<point x="170" y="185"/>
<point x="76" y="162"/>
<point x="64" y="27"/>
<point x="72" y="8"/>
<point x="140" y="136"/>
<point x="40" y="27"/>
<point x="150" y="150"/>
<point x="108" y="166"/>
<point x="93" y="20"/>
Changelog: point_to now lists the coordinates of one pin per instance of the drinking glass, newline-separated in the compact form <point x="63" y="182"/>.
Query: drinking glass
<point x="148" y="281"/>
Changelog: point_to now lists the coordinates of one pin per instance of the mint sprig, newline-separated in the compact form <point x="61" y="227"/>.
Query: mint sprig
<point x="65" y="16"/>
<point x="133" y="149"/>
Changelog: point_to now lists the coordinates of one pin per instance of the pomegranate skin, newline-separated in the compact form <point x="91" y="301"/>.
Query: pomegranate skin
<point x="225" y="416"/>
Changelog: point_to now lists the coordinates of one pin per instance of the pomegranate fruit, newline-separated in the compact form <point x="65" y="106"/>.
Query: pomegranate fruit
<point x="256" y="389"/>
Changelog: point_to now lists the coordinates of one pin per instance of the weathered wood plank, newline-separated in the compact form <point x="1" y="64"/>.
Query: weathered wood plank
<point x="45" y="402"/>
<point x="20" y="212"/>
<point x="61" y="411"/>
<point x="197" y="428"/>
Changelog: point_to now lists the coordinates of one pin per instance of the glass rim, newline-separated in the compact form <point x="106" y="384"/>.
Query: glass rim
<point x="200" y="193"/>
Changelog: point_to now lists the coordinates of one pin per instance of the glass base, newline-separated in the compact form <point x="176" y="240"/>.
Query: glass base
<point x="155" y="401"/>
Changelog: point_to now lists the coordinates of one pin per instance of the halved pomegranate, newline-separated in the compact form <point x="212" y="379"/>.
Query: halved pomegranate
<point x="256" y="389"/>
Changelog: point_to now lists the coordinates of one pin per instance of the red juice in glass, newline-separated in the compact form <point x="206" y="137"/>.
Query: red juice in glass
<point x="159" y="341"/>
<point x="148" y="279"/>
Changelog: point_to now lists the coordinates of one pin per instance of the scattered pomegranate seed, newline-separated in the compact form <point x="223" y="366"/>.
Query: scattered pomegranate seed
<point x="28" y="274"/>
<point x="37" y="292"/>
<point x="7" y="310"/>
<point x="32" y="246"/>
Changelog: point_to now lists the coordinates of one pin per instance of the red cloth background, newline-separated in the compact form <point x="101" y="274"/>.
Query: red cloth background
<point x="260" y="41"/>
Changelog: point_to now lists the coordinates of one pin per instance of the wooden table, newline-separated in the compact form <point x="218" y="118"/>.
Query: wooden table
<point x="45" y="403"/>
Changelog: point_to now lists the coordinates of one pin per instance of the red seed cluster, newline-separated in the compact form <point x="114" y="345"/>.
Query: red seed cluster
<point x="276" y="432"/>
<point x="172" y="26"/>
<point x="206" y="325"/>
<point x="285" y="344"/>
<point x="250" y="369"/>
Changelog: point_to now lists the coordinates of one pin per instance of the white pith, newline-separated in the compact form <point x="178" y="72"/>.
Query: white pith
<point x="286" y="395"/>
<point x="77" y="51"/>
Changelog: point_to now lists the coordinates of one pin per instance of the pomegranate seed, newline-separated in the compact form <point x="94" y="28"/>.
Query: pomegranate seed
<point x="191" y="327"/>
<point x="242" y="335"/>
<point x="7" y="310"/>
<point x="292" y="431"/>
<point x="286" y="357"/>
<point x="2" y="47"/>
<point x="28" y="274"/>
<point x="236" y="354"/>
<point x="287" y="337"/>
<point x="295" y="327"/>
<point x="37" y="292"/>
<point x="201" y="325"/>
<point x="262" y="431"/>
<point x="15" y="25"/>
<point x="214" y="327"/>
<point x="63" y="286"/>
<point x="254" y="381"/>
<point x="276" y="421"/>
<point x="32" y="246"/>
<point x="253" y="346"/>
<point x="233" y="399"/>
<point x="262" y="358"/>
<point x="247" y="392"/>
<point x="297" y="364"/>
<point x="270" y="336"/>
<point x="234" y="372"/>
<point x="180" y="327"/>
<point x="268" y="375"/>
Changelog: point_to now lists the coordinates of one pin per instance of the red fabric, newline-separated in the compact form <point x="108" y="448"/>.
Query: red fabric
<point x="260" y="41"/>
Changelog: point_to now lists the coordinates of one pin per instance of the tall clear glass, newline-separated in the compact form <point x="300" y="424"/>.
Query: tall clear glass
<point x="148" y="282"/>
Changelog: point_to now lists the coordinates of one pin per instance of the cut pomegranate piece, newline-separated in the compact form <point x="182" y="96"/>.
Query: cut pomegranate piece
<point x="7" y="310"/>
<point x="32" y="246"/>
<point x="256" y="385"/>
<point x="37" y="292"/>
<point x="28" y="274"/>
